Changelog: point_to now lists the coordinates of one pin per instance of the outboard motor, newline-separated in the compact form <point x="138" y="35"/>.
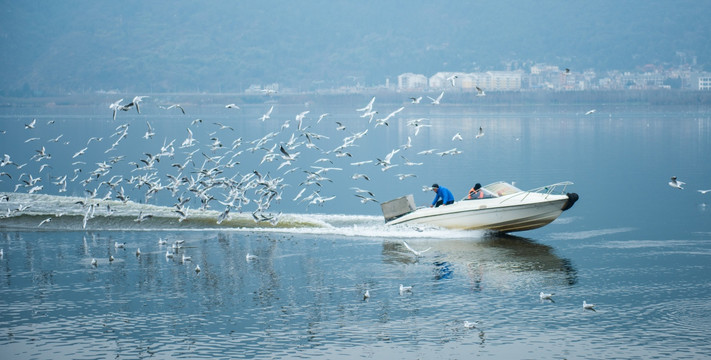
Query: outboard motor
<point x="572" y="198"/>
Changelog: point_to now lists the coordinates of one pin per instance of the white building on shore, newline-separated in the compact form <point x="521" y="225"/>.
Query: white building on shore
<point x="410" y="81"/>
<point x="468" y="82"/>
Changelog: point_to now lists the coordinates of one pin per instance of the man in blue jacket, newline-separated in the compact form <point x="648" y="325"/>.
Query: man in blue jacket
<point x="443" y="197"/>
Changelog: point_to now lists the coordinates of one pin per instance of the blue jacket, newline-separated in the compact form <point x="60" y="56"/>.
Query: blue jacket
<point x="444" y="194"/>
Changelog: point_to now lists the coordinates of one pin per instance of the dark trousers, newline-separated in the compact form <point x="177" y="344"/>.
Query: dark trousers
<point x="440" y="202"/>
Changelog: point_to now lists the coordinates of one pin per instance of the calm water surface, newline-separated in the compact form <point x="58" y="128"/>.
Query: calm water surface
<point x="638" y="249"/>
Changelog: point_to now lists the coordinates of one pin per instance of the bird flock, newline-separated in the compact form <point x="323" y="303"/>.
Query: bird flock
<point x="203" y="170"/>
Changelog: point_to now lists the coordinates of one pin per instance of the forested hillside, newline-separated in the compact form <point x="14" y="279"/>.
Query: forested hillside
<point x="226" y="46"/>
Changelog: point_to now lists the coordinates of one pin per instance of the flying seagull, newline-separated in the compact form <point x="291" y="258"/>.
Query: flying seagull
<point x="417" y="253"/>
<point x="32" y="124"/>
<point x="438" y="99"/>
<point x="174" y="106"/>
<point x="676" y="184"/>
<point x="136" y="100"/>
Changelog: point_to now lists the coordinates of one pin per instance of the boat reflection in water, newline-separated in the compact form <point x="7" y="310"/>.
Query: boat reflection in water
<point x="495" y="260"/>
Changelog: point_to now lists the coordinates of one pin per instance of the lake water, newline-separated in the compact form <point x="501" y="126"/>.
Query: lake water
<point x="634" y="246"/>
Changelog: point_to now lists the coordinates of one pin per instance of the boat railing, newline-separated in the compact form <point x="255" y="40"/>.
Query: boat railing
<point x="547" y="190"/>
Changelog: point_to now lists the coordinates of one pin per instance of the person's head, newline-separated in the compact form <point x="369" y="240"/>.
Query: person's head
<point x="477" y="187"/>
<point x="435" y="187"/>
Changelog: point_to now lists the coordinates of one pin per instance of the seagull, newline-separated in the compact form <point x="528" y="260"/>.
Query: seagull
<point x="438" y="99"/>
<point x="268" y="114"/>
<point x="368" y="107"/>
<point x="142" y="217"/>
<point x="480" y="91"/>
<point x="111" y="258"/>
<point x="457" y="136"/>
<point x="231" y="106"/>
<point x="427" y="152"/>
<point x="410" y="163"/>
<point x="44" y="221"/>
<point x="417" y="253"/>
<point x="452" y="151"/>
<point x="119" y="246"/>
<point x="222" y="126"/>
<point x="300" y="118"/>
<point x="408" y="144"/>
<point x="250" y="257"/>
<point x="676" y="184"/>
<point x="362" y="191"/>
<point x="6" y="161"/>
<point x="592" y="111"/>
<point x="359" y="176"/>
<point x="197" y="269"/>
<point x="704" y="191"/>
<point x="588" y="306"/>
<point x="31" y="125"/>
<point x="404" y="289"/>
<point x="451" y="79"/>
<point x="186" y="258"/>
<point x="405" y="176"/>
<point x="138" y="252"/>
<point x="136" y="100"/>
<point x="470" y="325"/>
<point x="358" y="163"/>
<point x="149" y="133"/>
<point x="117" y="106"/>
<point x="80" y="152"/>
<point x="366" y="295"/>
<point x="416" y="100"/>
<point x="174" y="106"/>
<point x="545" y="296"/>
<point x="93" y="138"/>
<point x="340" y="126"/>
<point x="481" y="133"/>
<point x="365" y="199"/>
<point x="168" y="254"/>
<point x="189" y="141"/>
<point x="94" y="263"/>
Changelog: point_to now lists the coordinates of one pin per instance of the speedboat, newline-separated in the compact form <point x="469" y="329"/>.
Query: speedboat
<point x="504" y="208"/>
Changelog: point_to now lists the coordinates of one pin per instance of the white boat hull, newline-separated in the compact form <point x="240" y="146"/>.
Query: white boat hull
<point x="516" y="212"/>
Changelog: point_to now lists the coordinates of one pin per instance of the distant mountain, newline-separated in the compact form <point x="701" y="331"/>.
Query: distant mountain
<point x="223" y="45"/>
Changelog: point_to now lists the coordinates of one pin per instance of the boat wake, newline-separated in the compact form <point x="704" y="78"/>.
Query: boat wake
<point x="66" y="213"/>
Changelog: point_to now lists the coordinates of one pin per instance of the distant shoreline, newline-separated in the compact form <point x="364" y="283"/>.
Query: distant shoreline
<point x="458" y="98"/>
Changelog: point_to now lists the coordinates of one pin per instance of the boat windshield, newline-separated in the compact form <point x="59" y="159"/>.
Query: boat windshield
<point x="499" y="189"/>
